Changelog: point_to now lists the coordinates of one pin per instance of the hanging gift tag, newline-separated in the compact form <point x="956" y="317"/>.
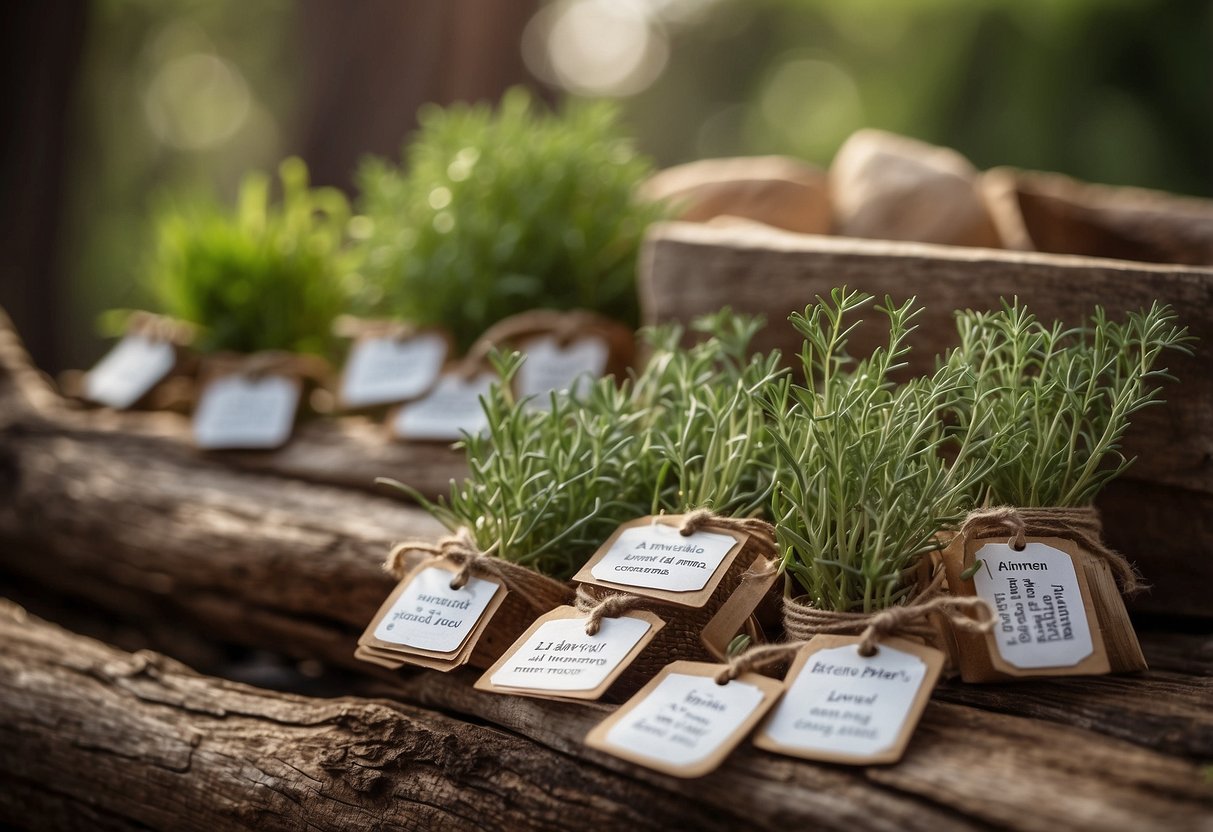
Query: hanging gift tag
<point x="129" y="371"/>
<point x="843" y="707"/>
<point x="550" y="367"/>
<point x="392" y="369"/>
<point x="557" y="659"/>
<point x="683" y="722"/>
<point x="425" y="621"/>
<point x="1044" y="618"/>
<point x="446" y="412"/>
<point x="241" y="412"/>
<point x="652" y="557"/>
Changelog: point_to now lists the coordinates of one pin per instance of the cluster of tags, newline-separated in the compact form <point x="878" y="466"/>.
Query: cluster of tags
<point x="685" y="702"/>
<point x="252" y="403"/>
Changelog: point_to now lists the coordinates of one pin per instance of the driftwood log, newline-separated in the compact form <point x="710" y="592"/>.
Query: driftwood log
<point x="1160" y="513"/>
<point x="144" y="530"/>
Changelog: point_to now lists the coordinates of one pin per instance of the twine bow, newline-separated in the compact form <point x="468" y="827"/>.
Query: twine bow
<point x="539" y="591"/>
<point x="1081" y="525"/>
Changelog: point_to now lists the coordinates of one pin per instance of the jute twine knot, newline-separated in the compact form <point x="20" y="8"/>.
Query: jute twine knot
<point x="269" y="362"/>
<point x="160" y="328"/>
<point x="350" y="326"/>
<point x="1081" y="525"/>
<point x="607" y="606"/>
<point x="540" y="592"/>
<point x="762" y="533"/>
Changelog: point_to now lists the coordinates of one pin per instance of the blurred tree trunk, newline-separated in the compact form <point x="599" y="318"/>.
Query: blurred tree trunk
<point x="370" y="65"/>
<point x="40" y="48"/>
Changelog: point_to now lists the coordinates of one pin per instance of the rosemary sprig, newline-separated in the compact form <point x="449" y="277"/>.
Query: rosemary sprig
<point x="864" y="486"/>
<point x="1056" y="402"/>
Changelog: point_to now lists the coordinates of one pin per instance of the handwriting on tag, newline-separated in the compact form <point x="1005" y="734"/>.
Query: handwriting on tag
<point x="661" y="557"/>
<point x="129" y="371"/>
<point x="556" y="654"/>
<point x="430" y="615"/>
<point x="550" y="367"/>
<point x="236" y="411"/>
<point x="387" y="370"/>
<point x="446" y="412"/>
<point x="683" y="722"/>
<point x="843" y="707"/>
<point x="1040" y="617"/>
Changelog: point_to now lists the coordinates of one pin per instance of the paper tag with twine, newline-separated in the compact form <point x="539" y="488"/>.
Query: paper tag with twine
<point x="685" y="721"/>
<point x="567" y="656"/>
<point x="247" y="411"/>
<point x="391" y="364"/>
<point x="667" y="558"/>
<point x="129" y="371"/>
<point x="848" y="701"/>
<point x="431" y="619"/>
<point x="1056" y="590"/>
<point x="446" y="412"/>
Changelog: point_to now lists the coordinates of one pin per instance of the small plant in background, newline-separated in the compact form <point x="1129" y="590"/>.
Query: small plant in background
<point x="863" y="486"/>
<point x="267" y="276"/>
<point x="496" y="214"/>
<point x="1055" y="403"/>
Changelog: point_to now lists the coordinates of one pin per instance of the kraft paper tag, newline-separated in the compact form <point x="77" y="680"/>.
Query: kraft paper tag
<point x="550" y="367"/>
<point x="449" y="410"/>
<point x="1045" y="622"/>
<point x="683" y="722"/>
<point x="842" y="707"/>
<point x="557" y="659"/>
<point x="240" y="412"/>
<point x="129" y="371"/>
<point x="388" y="370"/>
<point x="427" y="622"/>
<point x="651" y="557"/>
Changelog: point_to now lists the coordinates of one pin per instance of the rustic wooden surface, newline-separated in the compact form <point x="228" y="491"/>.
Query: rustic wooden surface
<point x="148" y="532"/>
<point x="1160" y="513"/>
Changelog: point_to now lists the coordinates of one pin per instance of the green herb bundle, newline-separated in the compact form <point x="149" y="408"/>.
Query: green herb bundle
<point x="496" y="214"/>
<point x="264" y="277"/>
<point x="548" y="486"/>
<point x="1055" y="403"/>
<point x="864" y="487"/>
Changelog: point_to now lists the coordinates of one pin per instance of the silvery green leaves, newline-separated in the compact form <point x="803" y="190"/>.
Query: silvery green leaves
<point x="871" y="469"/>
<point x="1054" y="402"/>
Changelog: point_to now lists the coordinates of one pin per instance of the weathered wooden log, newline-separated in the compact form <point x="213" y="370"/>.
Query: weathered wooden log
<point x="1160" y="513"/>
<point x="97" y="737"/>
<point x="93" y="737"/>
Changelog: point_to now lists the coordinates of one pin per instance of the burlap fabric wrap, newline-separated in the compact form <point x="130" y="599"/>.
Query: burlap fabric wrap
<point x="529" y="593"/>
<point x="680" y="639"/>
<point x="1081" y="525"/>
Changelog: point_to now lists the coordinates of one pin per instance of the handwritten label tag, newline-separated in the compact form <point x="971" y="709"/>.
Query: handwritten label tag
<point x="843" y="707"/>
<point x="129" y="371"/>
<point x="655" y="559"/>
<point x="550" y="367"/>
<point x="557" y="655"/>
<point x="1040" y="619"/>
<point x="682" y="722"/>
<point x="446" y="412"/>
<point x="387" y="370"/>
<point x="426" y="622"/>
<point x="236" y="411"/>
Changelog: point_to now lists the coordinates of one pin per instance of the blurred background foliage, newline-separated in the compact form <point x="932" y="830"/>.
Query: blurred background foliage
<point x="176" y="97"/>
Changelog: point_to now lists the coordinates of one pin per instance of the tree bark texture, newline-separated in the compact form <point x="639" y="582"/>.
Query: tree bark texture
<point x="1159" y="513"/>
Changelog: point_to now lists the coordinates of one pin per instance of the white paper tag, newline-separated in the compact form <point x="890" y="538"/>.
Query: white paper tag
<point x="660" y="557"/>
<point x="240" y="412"/>
<point x="843" y="703"/>
<point x="561" y="656"/>
<point x="429" y="615"/>
<point x="129" y="371"/>
<point x="387" y="370"/>
<point x="685" y="719"/>
<point x="1040" y="620"/>
<point x="550" y="367"/>
<point x="450" y="409"/>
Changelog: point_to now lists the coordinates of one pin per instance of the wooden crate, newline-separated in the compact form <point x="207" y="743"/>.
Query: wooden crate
<point x="1160" y="513"/>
